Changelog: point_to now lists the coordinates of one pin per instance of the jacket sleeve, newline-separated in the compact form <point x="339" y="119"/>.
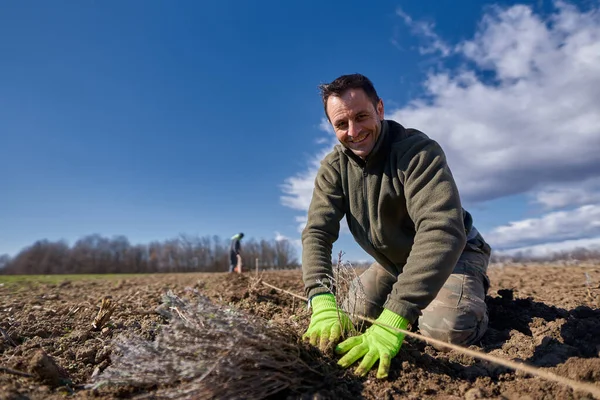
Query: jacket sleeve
<point x="322" y="229"/>
<point x="434" y="205"/>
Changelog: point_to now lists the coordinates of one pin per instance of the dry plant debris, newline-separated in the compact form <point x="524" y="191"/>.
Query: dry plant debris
<point x="209" y="351"/>
<point x="106" y="309"/>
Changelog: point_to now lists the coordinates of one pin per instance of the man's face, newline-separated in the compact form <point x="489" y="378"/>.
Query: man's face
<point x="356" y="122"/>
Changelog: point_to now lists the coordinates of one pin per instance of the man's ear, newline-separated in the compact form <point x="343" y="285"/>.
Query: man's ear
<point x="380" y="110"/>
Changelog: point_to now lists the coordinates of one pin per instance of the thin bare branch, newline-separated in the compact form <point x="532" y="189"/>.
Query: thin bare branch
<point x="15" y="372"/>
<point x="7" y="338"/>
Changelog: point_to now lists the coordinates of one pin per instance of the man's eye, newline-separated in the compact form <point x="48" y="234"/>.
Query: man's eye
<point x="361" y="117"/>
<point x="341" y="125"/>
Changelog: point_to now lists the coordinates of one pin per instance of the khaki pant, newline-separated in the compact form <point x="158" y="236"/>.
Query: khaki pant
<point x="458" y="314"/>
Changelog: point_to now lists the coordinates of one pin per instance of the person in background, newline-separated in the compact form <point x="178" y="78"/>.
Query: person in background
<point x="235" y="257"/>
<point x="397" y="193"/>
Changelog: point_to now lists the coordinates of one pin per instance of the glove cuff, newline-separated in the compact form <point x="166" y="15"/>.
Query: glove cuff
<point x="392" y="319"/>
<point x="323" y="301"/>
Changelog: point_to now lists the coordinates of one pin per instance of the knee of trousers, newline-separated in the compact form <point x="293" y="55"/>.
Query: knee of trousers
<point x="463" y="325"/>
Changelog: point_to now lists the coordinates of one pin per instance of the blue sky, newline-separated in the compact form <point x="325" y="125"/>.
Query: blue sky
<point x="151" y="118"/>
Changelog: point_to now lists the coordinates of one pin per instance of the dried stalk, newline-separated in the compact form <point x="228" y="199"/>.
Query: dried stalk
<point x="7" y="338"/>
<point x="15" y="372"/>
<point x="348" y="291"/>
<point x="106" y="309"/>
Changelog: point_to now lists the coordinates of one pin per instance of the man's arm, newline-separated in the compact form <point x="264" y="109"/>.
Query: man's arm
<point x="328" y="323"/>
<point x="322" y="229"/>
<point x="434" y="205"/>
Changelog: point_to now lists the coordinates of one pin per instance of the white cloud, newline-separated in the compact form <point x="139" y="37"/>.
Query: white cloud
<point x="279" y="237"/>
<point x="426" y="31"/>
<point x="294" y="242"/>
<point x="325" y="126"/>
<point x="298" y="189"/>
<point x="513" y="43"/>
<point x="548" y="249"/>
<point x="582" y="222"/>
<point x="555" y="197"/>
<point x="537" y="123"/>
<point x="519" y="115"/>
<point x="301" y="220"/>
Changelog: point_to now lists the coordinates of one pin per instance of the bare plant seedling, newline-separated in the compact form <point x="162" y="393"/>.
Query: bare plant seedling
<point x="348" y="291"/>
<point x="106" y="309"/>
<point x="255" y="282"/>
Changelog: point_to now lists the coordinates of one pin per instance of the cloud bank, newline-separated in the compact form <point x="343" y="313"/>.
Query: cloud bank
<point x="536" y="123"/>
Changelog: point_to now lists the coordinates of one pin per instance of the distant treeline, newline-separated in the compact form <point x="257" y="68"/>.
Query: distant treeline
<point x="579" y="254"/>
<point x="95" y="254"/>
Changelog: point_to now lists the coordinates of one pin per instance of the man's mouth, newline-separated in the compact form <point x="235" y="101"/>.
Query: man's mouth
<point x="359" y="139"/>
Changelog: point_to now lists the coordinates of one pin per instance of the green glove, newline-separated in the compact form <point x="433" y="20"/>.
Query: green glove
<point x="327" y="321"/>
<point x="377" y="343"/>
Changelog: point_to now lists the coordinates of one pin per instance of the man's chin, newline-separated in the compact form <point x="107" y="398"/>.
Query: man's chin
<point x="360" y="152"/>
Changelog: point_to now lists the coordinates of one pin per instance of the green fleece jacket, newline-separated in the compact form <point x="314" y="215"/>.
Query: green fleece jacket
<point x="402" y="207"/>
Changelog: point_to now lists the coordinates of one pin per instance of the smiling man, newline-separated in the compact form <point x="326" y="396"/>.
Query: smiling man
<point x="402" y="206"/>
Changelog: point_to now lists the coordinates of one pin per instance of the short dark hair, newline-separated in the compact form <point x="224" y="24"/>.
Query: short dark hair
<point x="353" y="81"/>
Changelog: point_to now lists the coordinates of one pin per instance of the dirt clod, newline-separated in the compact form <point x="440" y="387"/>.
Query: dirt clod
<point x="45" y="369"/>
<point x="473" y="394"/>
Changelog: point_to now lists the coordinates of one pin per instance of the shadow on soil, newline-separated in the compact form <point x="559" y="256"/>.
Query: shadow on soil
<point x="559" y="334"/>
<point x="522" y="330"/>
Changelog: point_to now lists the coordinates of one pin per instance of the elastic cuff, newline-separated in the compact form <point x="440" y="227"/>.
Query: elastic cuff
<point x="404" y="308"/>
<point x="317" y="290"/>
<point x="392" y="319"/>
<point x="323" y="301"/>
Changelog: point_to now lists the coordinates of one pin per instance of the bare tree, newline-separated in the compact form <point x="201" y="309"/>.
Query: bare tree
<point x="285" y="255"/>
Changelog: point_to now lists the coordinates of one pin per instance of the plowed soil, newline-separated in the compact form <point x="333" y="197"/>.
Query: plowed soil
<point x="546" y="316"/>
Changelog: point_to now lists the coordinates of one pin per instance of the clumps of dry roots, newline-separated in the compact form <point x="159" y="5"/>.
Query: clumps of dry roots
<point x="209" y="352"/>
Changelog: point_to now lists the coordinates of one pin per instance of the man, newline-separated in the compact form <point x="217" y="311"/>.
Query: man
<point x="235" y="258"/>
<point x="403" y="208"/>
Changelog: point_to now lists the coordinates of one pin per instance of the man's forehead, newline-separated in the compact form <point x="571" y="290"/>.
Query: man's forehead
<point x="347" y="106"/>
<point x="349" y="95"/>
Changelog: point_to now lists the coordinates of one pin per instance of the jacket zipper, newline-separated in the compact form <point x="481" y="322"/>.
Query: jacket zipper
<point x="368" y="222"/>
<point x="366" y="204"/>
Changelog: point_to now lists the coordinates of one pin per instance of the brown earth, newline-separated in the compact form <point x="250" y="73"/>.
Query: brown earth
<point x="546" y="316"/>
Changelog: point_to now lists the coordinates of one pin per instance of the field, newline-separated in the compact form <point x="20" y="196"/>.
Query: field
<point x="546" y="316"/>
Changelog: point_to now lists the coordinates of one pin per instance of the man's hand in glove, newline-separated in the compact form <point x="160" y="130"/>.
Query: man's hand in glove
<point x="327" y="323"/>
<point x="377" y="343"/>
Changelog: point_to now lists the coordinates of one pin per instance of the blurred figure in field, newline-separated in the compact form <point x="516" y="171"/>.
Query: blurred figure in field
<point x="235" y="257"/>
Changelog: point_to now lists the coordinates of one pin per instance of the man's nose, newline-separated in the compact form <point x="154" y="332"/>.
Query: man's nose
<point x="353" y="129"/>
